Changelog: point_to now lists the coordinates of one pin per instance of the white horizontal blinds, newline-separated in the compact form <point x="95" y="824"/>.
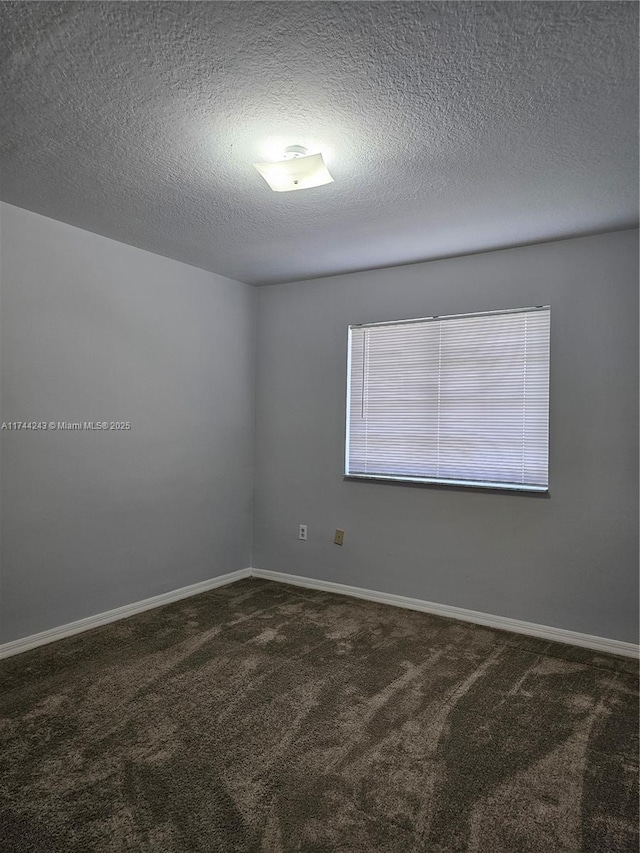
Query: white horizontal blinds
<point x="394" y="392"/>
<point x="493" y="414"/>
<point x="461" y="398"/>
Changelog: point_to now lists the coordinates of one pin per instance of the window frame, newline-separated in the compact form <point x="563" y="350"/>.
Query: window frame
<point x="526" y="488"/>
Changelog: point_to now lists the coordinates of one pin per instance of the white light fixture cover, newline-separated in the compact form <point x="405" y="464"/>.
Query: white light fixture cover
<point x="298" y="172"/>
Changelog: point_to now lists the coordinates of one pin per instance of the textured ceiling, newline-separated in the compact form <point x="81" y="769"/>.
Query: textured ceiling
<point x="449" y="127"/>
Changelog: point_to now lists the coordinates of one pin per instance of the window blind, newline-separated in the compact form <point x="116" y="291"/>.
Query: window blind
<point x="462" y="399"/>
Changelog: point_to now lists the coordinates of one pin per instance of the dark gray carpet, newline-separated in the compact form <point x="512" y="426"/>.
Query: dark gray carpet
<point x="261" y="718"/>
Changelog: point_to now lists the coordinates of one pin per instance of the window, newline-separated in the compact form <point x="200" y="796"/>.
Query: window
<point x="462" y="400"/>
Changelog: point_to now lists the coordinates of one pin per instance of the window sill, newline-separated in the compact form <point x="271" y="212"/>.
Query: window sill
<point x="463" y="484"/>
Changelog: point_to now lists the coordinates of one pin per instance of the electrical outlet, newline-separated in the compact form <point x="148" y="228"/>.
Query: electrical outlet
<point x="339" y="537"/>
<point x="302" y="532"/>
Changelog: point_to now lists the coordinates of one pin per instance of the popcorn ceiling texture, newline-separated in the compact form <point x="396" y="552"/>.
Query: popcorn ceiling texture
<point x="449" y="127"/>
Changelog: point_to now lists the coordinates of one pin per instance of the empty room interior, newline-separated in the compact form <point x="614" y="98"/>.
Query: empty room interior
<point x="319" y="427"/>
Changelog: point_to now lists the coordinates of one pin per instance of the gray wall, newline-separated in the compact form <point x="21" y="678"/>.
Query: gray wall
<point x="569" y="560"/>
<point x="96" y="330"/>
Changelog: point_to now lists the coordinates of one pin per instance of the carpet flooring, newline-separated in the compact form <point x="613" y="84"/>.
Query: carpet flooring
<point x="263" y="718"/>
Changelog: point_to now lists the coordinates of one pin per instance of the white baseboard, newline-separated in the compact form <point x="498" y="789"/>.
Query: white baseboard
<point x="559" y="635"/>
<point x="26" y="643"/>
<point x="503" y="623"/>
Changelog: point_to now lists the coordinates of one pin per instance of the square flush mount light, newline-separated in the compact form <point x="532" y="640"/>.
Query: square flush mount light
<point x="298" y="171"/>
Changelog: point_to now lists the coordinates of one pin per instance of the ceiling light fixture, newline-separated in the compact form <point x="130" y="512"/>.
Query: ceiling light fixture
<point x="297" y="171"/>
